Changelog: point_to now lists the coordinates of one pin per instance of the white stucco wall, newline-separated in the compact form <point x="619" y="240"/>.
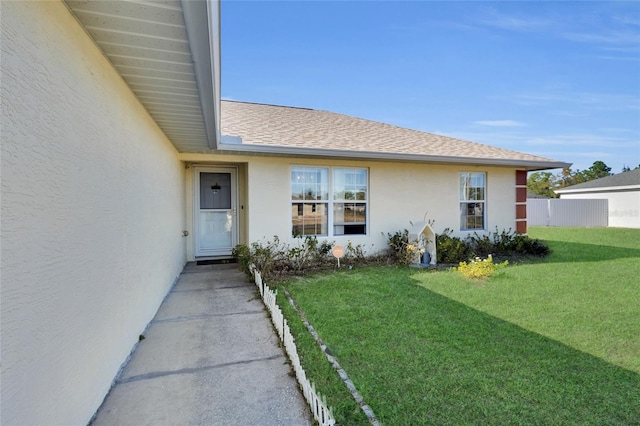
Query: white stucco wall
<point x="399" y="194"/>
<point x="624" y="206"/>
<point x="92" y="214"/>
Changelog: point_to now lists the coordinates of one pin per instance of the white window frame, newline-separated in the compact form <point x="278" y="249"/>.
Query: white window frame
<point x="331" y="202"/>
<point x="463" y="201"/>
<point x="318" y="188"/>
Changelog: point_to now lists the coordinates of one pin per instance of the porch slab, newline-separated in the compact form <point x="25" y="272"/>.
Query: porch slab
<point x="210" y="356"/>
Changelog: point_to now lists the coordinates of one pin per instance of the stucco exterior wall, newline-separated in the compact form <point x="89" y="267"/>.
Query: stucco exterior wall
<point x="399" y="194"/>
<point x="92" y="214"/>
<point x="624" y="206"/>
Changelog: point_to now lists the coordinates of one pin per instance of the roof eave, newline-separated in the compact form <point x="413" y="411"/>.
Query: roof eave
<point x="528" y="165"/>
<point x="203" y="17"/>
<point x="598" y="189"/>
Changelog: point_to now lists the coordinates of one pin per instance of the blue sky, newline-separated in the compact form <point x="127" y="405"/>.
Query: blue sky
<point x="556" y="79"/>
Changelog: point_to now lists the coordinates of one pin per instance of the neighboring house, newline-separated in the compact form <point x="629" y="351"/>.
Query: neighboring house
<point x="534" y="196"/>
<point x="114" y="174"/>
<point x="622" y="192"/>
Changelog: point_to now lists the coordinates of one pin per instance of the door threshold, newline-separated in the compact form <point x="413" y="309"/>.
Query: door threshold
<point x="215" y="260"/>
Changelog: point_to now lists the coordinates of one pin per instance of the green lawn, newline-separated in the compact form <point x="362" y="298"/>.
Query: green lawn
<point x="586" y="294"/>
<point x="547" y="342"/>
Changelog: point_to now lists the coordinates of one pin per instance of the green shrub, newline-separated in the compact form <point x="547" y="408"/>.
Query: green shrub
<point x="498" y="243"/>
<point x="265" y="256"/>
<point x="354" y="254"/>
<point x="307" y="255"/>
<point x="522" y="244"/>
<point x="480" y="268"/>
<point x="273" y="258"/>
<point x="507" y="243"/>
<point x="397" y="241"/>
<point x="242" y="254"/>
<point x="451" y="249"/>
<point x="402" y="250"/>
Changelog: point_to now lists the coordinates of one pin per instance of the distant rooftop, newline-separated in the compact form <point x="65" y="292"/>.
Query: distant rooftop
<point x="304" y="131"/>
<point x="630" y="178"/>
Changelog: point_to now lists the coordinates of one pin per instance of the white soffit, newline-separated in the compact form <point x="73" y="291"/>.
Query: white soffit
<point x="163" y="51"/>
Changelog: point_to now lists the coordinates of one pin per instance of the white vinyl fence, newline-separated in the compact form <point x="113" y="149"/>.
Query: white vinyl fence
<point x="567" y="212"/>
<point x="318" y="405"/>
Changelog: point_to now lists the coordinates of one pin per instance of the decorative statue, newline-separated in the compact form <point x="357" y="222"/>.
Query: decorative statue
<point x="432" y="254"/>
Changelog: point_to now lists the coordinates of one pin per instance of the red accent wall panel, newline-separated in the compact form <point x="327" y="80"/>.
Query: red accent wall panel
<point x="521" y="200"/>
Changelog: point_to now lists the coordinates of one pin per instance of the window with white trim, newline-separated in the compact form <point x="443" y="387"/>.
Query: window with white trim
<point x="310" y="200"/>
<point x="324" y="203"/>
<point x="349" y="201"/>
<point x="472" y="201"/>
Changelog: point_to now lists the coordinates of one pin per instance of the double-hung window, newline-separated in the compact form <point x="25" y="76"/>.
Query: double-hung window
<point x="349" y="201"/>
<point x="328" y="201"/>
<point x="472" y="201"/>
<point x="309" y="200"/>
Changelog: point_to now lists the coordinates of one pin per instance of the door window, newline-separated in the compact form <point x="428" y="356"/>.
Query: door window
<point x="215" y="190"/>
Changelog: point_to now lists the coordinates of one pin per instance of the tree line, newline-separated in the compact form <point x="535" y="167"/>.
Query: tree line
<point x="545" y="183"/>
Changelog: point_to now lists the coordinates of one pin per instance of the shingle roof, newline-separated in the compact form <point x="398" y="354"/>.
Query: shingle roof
<point x="271" y="126"/>
<point x="629" y="178"/>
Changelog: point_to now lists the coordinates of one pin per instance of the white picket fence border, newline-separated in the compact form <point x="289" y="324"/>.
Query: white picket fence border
<point x="318" y="404"/>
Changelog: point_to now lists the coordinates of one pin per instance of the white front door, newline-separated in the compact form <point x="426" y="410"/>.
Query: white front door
<point x="215" y="209"/>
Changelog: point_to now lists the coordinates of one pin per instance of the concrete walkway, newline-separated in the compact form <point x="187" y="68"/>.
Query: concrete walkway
<point x="210" y="357"/>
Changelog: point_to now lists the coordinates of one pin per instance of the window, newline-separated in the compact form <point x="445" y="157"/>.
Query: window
<point x="313" y="196"/>
<point x="472" y="200"/>
<point x="349" y="201"/>
<point x="309" y="200"/>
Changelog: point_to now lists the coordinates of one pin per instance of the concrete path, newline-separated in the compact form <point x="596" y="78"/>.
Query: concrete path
<point x="210" y="357"/>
